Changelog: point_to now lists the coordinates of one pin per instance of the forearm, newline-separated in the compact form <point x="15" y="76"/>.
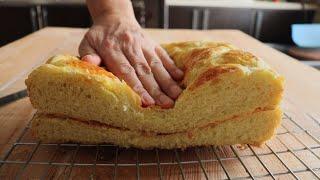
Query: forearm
<point x="110" y="7"/>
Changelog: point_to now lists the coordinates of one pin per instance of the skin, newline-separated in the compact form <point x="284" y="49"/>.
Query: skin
<point x="117" y="41"/>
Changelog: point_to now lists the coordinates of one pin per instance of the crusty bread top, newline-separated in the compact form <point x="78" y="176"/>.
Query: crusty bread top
<point x="72" y="61"/>
<point x="201" y="61"/>
<point x="194" y="57"/>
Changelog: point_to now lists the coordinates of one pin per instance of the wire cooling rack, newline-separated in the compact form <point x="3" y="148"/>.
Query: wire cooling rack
<point x="294" y="153"/>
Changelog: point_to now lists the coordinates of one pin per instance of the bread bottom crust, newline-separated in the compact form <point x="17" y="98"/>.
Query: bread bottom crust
<point x="254" y="129"/>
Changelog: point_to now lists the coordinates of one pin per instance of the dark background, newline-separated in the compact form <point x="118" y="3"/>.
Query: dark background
<point x="272" y="26"/>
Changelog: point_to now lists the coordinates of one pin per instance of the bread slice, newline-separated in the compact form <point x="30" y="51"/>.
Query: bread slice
<point x="253" y="129"/>
<point x="221" y="83"/>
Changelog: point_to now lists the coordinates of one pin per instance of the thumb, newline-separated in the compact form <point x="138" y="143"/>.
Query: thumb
<point x="87" y="53"/>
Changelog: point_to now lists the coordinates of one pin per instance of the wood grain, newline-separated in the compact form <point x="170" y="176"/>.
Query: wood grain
<point x="297" y="148"/>
<point x="14" y="118"/>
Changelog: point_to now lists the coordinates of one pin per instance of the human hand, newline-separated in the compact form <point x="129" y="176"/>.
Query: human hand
<point x="119" y="43"/>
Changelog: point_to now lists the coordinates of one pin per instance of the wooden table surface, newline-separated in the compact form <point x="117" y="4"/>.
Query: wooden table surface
<point x="301" y="105"/>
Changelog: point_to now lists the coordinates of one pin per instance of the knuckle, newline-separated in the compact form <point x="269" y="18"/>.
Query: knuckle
<point x="131" y="54"/>
<point x="142" y="69"/>
<point x="155" y="91"/>
<point x="138" y="89"/>
<point x="154" y="63"/>
<point x="127" y="36"/>
<point x="110" y="44"/>
<point x="125" y="69"/>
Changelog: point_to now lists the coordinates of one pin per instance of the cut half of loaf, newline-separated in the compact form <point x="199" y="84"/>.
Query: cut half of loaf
<point x="252" y="129"/>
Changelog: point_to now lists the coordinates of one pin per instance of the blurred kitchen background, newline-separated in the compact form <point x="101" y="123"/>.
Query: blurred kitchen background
<point x="268" y="21"/>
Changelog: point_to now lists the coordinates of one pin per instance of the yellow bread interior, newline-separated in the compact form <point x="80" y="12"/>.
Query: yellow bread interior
<point x="220" y="82"/>
<point x="251" y="129"/>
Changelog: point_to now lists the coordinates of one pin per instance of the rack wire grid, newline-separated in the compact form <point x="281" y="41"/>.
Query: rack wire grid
<point x="294" y="153"/>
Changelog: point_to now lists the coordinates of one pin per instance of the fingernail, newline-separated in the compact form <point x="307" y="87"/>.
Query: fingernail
<point x="179" y="72"/>
<point x="92" y="58"/>
<point x="165" y="102"/>
<point x="175" y="91"/>
<point x="87" y="57"/>
<point x="147" y="99"/>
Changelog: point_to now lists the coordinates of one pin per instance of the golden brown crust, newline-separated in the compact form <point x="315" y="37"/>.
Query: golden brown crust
<point x="211" y="75"/>
<point x="93" y="69"/>
<point x="239" y="57"/>
<point x="196" y="56"/>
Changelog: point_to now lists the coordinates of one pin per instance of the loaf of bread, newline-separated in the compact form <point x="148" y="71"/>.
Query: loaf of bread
<point x="229" y="97"/>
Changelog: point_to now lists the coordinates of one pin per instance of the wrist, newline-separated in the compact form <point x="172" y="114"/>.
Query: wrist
<point x="110" y="8"/>
<point x="108" y="19"/>
<point x="104" y="15"/>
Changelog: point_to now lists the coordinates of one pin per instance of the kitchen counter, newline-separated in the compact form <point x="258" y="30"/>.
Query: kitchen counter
<point x="297" y="138"/>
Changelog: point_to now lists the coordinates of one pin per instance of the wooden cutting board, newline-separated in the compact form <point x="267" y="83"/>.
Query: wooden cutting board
<point x="294" y="152"/>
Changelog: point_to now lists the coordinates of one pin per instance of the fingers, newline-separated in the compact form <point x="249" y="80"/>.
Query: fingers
<point x="136" y="58"/>
<point x="92" y="58"/>
<point x="148" y="72"/>
<point x="119" y="65"/>
<point x="168" y="63"/>
<point x="167" y="84"/>
<point x="87" y="53"/>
